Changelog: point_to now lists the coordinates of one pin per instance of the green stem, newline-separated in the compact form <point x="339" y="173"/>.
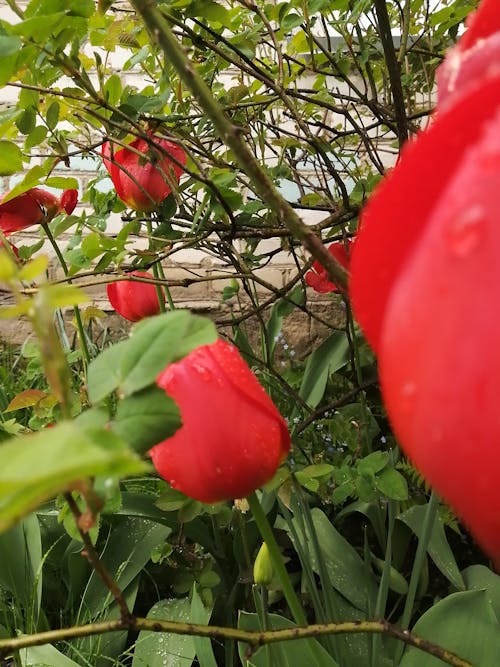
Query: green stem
<point x="156" y="271"/>
<point x="423" y="543"/>
<point x="277" y="559"/>
<point x="161" y="276"/>
<point x="383" y="588"/>
<point x="78" y="317"/>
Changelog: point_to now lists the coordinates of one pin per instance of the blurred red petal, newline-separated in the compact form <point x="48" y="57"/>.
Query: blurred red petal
<point x="439" y="360"/>
<point x="398" y="213"/>
<point x="462" y="70"/>
<point x="481" y="24"/>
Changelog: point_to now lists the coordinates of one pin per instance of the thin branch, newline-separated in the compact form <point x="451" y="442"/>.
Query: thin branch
<point x="254" y="639"/>
<point x="393" y="69"/>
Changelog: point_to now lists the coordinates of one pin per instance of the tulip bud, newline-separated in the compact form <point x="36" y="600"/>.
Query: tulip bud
<point x="263" y="567"/>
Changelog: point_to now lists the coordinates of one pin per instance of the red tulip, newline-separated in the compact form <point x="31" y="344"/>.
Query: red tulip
<point x="429" y="240"/>
<point x="143" y="177"/>
<point x="397" y="214"/>
<point x="232" y="437"/>
<point x="317" y="277"/>
<point x="33" y="207"/>
<point x="475" y="57"/>
<point x="134" y="300"/>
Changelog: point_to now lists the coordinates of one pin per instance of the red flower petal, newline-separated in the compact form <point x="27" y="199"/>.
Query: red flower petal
<point x="398" y="213"/>
<point x="481" y="24"/>
<point x="142" y="182"/>
<point x="439" y="358"/>
<point x="317" y="277"/>
<point x="232" y="437"/>
<point x="134" y="300"/>
<point x="462" y="70"/>
<point x="30" y="208"/>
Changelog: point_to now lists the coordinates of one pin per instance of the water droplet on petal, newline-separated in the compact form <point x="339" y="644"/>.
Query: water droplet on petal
<point x="465" y="231"/>
<point x="408" y="389"/>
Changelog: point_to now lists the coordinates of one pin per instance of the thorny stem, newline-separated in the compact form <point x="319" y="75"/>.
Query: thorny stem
<point x="254" y="639"/>
<point x="232" y="137"/>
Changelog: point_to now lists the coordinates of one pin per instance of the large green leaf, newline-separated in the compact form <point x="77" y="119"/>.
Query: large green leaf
<point x="348" y="573"/>
<point x="104" y="373"/>
<point x="279" y="311"/>
<point x="158" y="341"/>
<point x="44" y="656"/>
<point x="154" y="343"/>
<point x="157" y="649"/>
<point x="326" y="359"/>
<point x="202" y="645"/>
<point x="464" y="623"/>
<point x="21" y="558"/>
<point x="303" y="652"/>
<point x="438" y="548"/>
<point x="36" y="467"/>
<point x="146" y="418"/>
<point x="126" y="552"/>
<point x="11" y="158"/>
<point x="480" y="577"/>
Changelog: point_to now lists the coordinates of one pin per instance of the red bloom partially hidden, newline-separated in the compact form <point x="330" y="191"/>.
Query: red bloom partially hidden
<point x="232" y="437"/>
<point x="134" y="300"/>
<point x="474" y="58"/>
<point x="317" y="277"/>
<point x="430" y="240"/>
<point x="143" y="177"/>
<point x="34" y="207"/>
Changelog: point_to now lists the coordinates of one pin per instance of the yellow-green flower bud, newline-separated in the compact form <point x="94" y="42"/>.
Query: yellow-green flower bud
<point x="263" y="567"/>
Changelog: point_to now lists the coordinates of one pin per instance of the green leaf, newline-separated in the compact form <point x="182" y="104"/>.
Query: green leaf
<point x="279" y="311"/>
<point x="373" y="463"/>
<point x="146" y="419"/>
<point x="347" y="572"/>
<point x="126" y="552"/>
<point x="158" y="341"/>
<point x="285" y="654"/>
<point x="63" y="182"/>
<point x="104" y="372"/>
<point x="9" y="45"/>
<point x="36" y="467"/>
<point x="36" y="136"/>
<point x="44" y="656"/>
<point x="392" y="484"/>
<point x="326" y="359"/>
<point x="26" y="123"/>
<point x="34" y="268"/>
<point x="201" y="614"/>
<point x="20" y="575"/>
<point x="438" y="549"/>
<point x="11" y="158"/>
<point x="52" y="115"/>
<point x="155" y="342"/>
<point x="59" y="296"/>
<point x="479" y="577"/>
<point x="463" y="623"/>
<point x="156" y="649"/>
